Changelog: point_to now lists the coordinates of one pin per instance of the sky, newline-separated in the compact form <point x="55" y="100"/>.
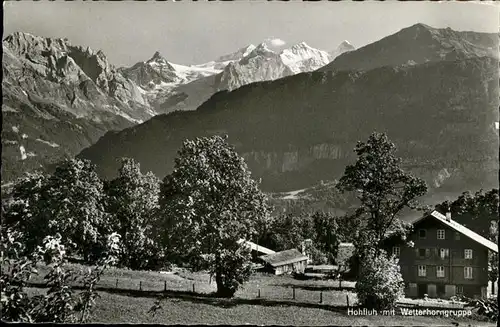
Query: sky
<point x="188" y="32"/>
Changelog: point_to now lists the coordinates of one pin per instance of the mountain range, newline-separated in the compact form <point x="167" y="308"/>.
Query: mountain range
<point x="294" y="114"/>
<point x="440" y="115"/>
<point x="418" y="44"/>
<point x="169" y="87"/>
<point x="59" y="98"/>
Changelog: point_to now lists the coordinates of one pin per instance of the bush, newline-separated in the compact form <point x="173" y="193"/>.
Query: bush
<point x="352" y="270"/>
<point x="233" y="271"/>
<point x="60" y="304"/>
<point x="380" y="283"/>
<point x="485" y="309"/>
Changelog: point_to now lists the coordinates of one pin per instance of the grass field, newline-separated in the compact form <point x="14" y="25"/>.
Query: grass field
<point x="276" y="306"/>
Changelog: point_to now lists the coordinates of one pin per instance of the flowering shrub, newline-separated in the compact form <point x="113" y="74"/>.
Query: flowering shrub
<point x="17" y="269"/>
<point x="60" y="304"/>
<point x="380" y="283"/>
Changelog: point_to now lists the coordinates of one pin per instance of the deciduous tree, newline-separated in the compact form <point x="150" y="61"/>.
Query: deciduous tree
<point x="474" y="210"/>
<point x="23" y="207"/>
<point x="383" y="188"/>
<point x="74" y="207"/>
<point x="70" y="202"/>
<point x="327" y="234"/>
<point x="210" y="203"/>
<point x="286" y="231"/>
<point x="132" y="203"/>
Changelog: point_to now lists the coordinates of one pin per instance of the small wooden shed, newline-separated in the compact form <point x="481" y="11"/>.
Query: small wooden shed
<point x="285" y="262"/>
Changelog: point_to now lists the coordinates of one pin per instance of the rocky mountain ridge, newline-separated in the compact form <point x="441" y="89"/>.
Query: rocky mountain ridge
<point x="265" y="64"/>
<point x="58" y="98"/>
<point x="301" y="129"/>
<point x="187" y="87"/>
<point x="418" y="44"/>
<point x="78" y="96"/>
<point x="343" y="47"/>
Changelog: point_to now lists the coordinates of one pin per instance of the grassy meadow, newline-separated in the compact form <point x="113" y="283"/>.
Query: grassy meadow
<point x="275" y="306"/>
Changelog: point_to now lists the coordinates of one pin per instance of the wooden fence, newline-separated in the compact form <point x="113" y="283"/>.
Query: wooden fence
<point x="274" y="292"/>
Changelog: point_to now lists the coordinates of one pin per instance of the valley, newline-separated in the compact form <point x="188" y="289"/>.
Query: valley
<point x="274" y="125"/>
<point x="295" y="165"/>
<point x="245" y="93"/>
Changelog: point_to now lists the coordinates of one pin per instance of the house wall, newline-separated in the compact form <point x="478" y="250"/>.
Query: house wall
<point x="453" y="265"/>
<point x="299" y="267"/>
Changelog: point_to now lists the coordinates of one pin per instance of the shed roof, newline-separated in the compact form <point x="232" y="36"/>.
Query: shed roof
<point x="256" y="247"/>
<point x="461" y="229"/>
<point x="284" y="257"/>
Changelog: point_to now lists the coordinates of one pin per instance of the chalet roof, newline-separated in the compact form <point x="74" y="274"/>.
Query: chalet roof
<point x="256" y="247"/>
<point x="284" y="257"/>
<point x="461" y="229"/>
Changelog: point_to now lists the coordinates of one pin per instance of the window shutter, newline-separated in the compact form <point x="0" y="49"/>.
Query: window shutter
<point x="427" y="253"/>
<point x="416" y="252"/>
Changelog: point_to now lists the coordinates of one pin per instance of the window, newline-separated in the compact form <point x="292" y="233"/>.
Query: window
<point x="422" y="234"/>
<point x="440" y="234"/>
<point x="457" y="236"/>
<point x="444" y="253"/>
<point x="468" y="272"/>
<point x="396" y="251"/>
<point x="468" y="254"/>
<point x="421" y="253"/>
<point x="460" y="289"/>
<point x="422" y="271"/>
<point x="439" y="271"/>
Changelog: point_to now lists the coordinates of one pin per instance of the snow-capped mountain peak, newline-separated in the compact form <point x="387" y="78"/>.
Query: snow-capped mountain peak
<point x="248" y="49"/>
<point x="301" y="57"/>
<point x="275" y="44"/>
<point x="164" y="81"/>
<point x="262" y="49"/>
<point x="346" y="43"/>
<point x="303" y="50"/>
<point x="345" y="46"/>
<point x="301" y="45"/>
<point x="158" y="59"/>
<point x="269" y="61"/>
<point x="238" y="55"/>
